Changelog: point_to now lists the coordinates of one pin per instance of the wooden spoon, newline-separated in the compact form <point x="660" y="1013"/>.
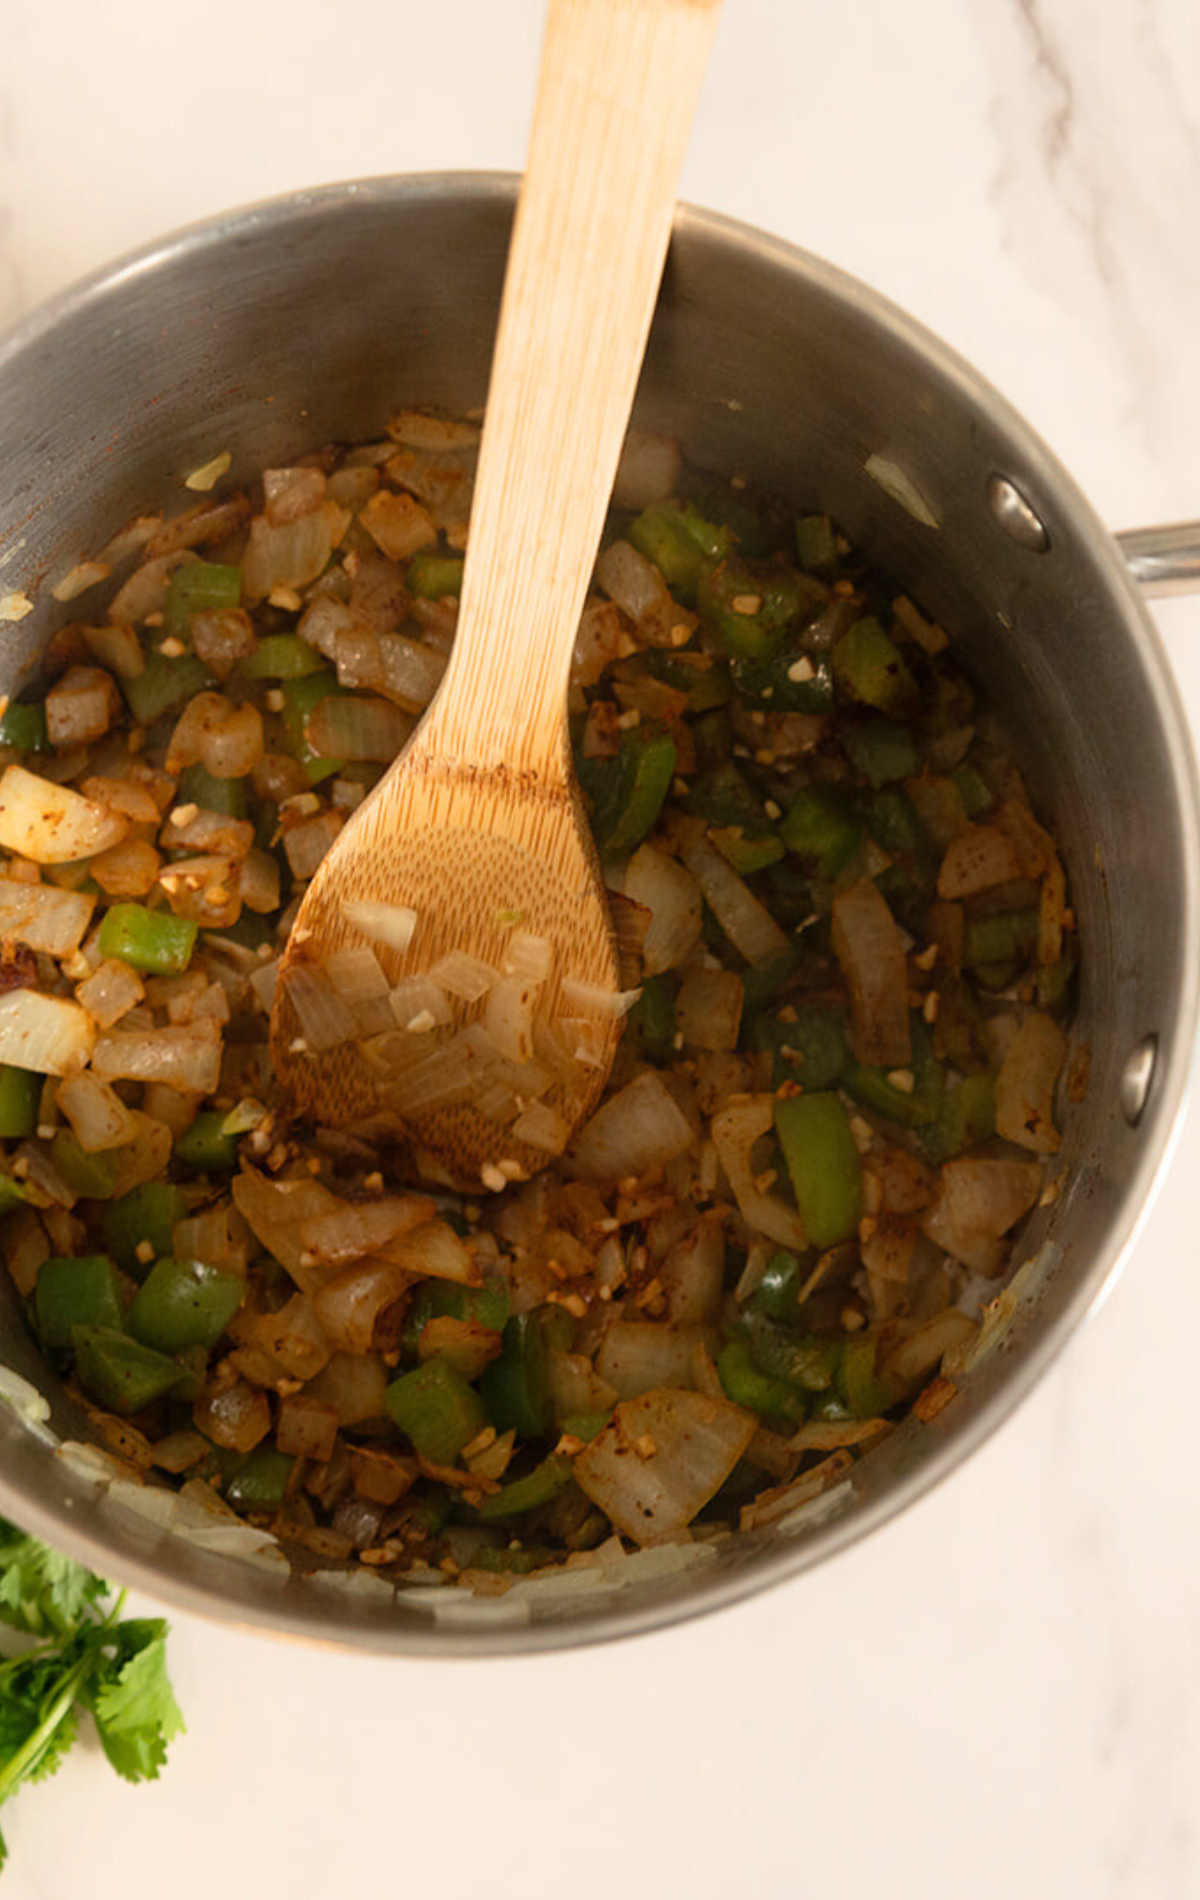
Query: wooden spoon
<point x="479" y="822"/>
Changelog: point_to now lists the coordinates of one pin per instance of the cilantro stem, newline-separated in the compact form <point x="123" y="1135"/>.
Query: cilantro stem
<point x="15" y="1767"/>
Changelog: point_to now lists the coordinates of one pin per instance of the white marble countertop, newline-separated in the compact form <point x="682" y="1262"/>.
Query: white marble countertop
<point x="999" y="1693"/>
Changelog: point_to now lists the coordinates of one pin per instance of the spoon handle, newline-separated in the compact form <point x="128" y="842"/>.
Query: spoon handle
<point x="616" y="93"/>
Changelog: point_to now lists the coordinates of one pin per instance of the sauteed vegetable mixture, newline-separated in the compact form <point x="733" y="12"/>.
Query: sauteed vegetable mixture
<point x="850" y="956"/>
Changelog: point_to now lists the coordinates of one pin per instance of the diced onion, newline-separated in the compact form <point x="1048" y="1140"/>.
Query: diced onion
<point x="364" y="729"/>
<point x="528" y="955"/>
<point x="749" y="925"/>
<point x="118" y="648"/>
<point x="661" y="1460"/>
<point x="187" y="1057"/>
<point x="647" y="471"/>
<point x="1026" y="1082"/>
<point x="307" y="843"/>
<point x="542" y="1129"/>
<point x="390" y="924"/>
<point x="980" y="857"/>
<point x="397" y="524"/>
<point x="291" y="554"/>
<point x="596" y="1000"/>
<point x="349" y="1304"/>
<point x="278" y="1212"/>
<point x="45" y="1033"/>
<point x="672" y="896"/>
<point x="637" y="1355"/>
<point x="708" y="1008"/>
<point x="868" y="944"/>
<point x="50" y="823"/>
<point x="734" y="1131"/>
<point x="324" y="1019"/>
<point x="401" y="669"/>
<point x="639" y="1128"/>
<point x="460" y="974"/>
<point x="43" y="917"/>
<point x="508" y="1016"/>
<point x="417" y="999"/>
<point x="110" y="992"/>
<point x="976" y="1202"/>
<point x="630" y="580"/>
<point x="357" y="1228"/>
<point x="433" y="1248"/>
<point x="96" y="1113"/>
<point x="363" y="988"/>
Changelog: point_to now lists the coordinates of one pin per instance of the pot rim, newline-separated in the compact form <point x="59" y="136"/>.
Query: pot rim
<point x="699" y="1592"/>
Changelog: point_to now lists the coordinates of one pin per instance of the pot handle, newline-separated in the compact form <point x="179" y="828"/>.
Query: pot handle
<point x="1164" y="560"/>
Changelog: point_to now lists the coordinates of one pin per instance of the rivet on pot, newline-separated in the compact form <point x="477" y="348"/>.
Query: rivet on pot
<point x="1135" y="1082"/>
<point x="1016" y="516"/>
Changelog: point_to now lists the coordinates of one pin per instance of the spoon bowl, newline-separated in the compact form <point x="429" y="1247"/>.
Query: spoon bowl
<point x="479" y="824"/>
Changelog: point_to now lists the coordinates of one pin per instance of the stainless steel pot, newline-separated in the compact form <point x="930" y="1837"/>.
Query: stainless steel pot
<point x="312" y="317"/>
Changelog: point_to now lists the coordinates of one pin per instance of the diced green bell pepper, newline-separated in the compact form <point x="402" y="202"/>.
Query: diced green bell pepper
<point x="205" y="1148"/>
<point x="762" y="982"/>
<point x="119" y="1372"/>
<point x="20" y="1094"/>
<point x="725" y="797"/>
<point x="973" y="789"/>
<point x="433" y="576"/>
<point x="585" y="1425"/>
<point x="12" y="1193"/>
<point x="485" y="1305"/>
<point x="789" y="679"/>
<point x="627" y="792"/>
<point x="529" y="1493"/>
<point x="746" y="855"/>
<point x="727" y="507"/>
<point x="777" y="1293"/>
<point x="823" y="1163"/>
<point x="882" y="750"/>
<point x="821" y="829"/>
<point x="300" y="698"/>
<point x="862" y="1390"/>
<point x="516" y="1386"/>
<point x="816" y="543"/>
<point x="437" y="1409"/>
<point x="183" y="1303"/>
<point x="869" y="666"/>
<point x="200" y="587"/>
<point x="654" y="1015"/>
<point x="811" y="1050"/>
<point x="744" y="1384"/>
<point x="967" y="1117"/>
<point x="23" y="725"/>
<point x="153" y="941"/>
<point x="680" y="542"/>
<point x="784" y="1352"/>
<point x="702" y="677"/>
<point x="749" y="608"/>
<point x="260" y="1480"/>
<point x="84" y="1290"/>
<point x="1008" y="936"/>
<point x="165" y="686"/>
<point x="91" y="1177"/>
<point x="146" y="1213"/>
<point x="280" y="656"/>
<point x="911" y="1108"/>
<point x="199" y="787"/>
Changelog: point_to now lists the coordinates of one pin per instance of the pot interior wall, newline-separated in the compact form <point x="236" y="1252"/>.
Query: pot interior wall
<point x="275" y="332"/>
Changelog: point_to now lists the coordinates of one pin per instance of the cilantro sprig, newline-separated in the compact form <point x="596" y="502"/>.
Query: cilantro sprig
<point x="86" y="1658"/>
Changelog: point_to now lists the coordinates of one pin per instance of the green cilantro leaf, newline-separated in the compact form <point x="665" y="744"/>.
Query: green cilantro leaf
<point x="86" y="1659"/>
<point x="42" y="1591"/>
<point x="133" y="1703"/>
